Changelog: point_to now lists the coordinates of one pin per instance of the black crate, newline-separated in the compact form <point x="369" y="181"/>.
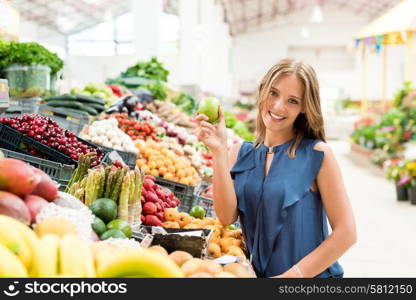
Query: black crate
<point x="67" y="120"/>
<point x="58" y="172"/>
<point x="183" y="192"/>
<point x="14" y="140"/>
<point x="129" y="158"/>
<point x="207" y="204"/>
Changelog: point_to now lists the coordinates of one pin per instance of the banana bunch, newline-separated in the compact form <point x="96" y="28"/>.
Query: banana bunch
<point x="113" y="262"/>
<point x="23" y="254"/>
<point x="18" y="247"/>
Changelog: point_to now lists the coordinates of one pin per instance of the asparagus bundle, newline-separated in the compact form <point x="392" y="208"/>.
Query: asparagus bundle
<point x="84" y="164"/>
<point x="123" y="203"/>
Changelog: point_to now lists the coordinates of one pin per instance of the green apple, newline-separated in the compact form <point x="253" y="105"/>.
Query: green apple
<point x="210" y="107"/>
<point x="197" y="212"/>
<point x="232" y="227"/>
<point x="121" y="225"/>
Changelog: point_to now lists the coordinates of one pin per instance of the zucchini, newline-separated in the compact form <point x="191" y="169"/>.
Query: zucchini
<point x="63" y="103"/>
<point x="98" y="107"/>
<point x="89" y="109"/>
<point x="88" y="99"/>
<point x="61" y="97"/>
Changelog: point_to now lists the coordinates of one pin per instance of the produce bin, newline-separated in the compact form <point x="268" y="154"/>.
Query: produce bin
<point x="183" y="192"/>
<point x="207" y="204"/>
<point x="28" y="81"/>
<point x="71" y="121"/>
<point x="24" y="105"/>
<point x="59" y="172"/>
<point x="129" y="158"/>
<point x="12" y="139"/>
<point x="195" y="245"/>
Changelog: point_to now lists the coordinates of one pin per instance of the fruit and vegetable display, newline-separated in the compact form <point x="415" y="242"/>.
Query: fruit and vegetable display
<point x="96" y="90"/>
<point x="23" y="253"/>
<point x="135" y="129"/>
<point x="170" y="112"/>
<point x="155" y="200"/>
<point x="110" y="191"/>
<point x="106" y="133"/>
<point x="158" y="160"/>
<point x="224" y="240"/>
<point x="47" y="132"/>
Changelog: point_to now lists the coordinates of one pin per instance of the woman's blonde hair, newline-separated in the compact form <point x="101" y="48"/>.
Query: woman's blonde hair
<point x="309" y="124"/>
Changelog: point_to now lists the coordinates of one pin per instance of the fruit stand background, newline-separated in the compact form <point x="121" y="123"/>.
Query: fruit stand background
<point x="162" y="57"/>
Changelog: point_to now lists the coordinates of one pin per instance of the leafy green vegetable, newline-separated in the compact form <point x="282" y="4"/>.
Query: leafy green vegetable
<point x="28" y="54"/>
<point x="186" y="102"/>
<point x="152" y="69"/>
<point x="159" y="90"/>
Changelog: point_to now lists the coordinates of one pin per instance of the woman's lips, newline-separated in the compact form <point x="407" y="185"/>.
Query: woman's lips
<point x="275" y="117"/>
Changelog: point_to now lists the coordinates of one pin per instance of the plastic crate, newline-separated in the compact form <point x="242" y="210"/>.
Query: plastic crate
<point x="207" y="204"/>
<point x="183" y="192"/>
<point x="129" y="158"/>
<point x="59" y="172"/>
<point x="67" y="120"/>
<point x="14" y="140"/>
<point x="24" y="105"/>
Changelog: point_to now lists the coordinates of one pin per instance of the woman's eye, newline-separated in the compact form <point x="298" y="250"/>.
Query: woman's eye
<point x="273" y="93"/>
<point x="293" y="101"/>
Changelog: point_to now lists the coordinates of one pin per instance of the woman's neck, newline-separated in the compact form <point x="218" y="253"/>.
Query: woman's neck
<point x="273" y="139"/>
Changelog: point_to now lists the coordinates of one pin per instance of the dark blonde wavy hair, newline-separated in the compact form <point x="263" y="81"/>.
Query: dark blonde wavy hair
<point x="309" y="124"/>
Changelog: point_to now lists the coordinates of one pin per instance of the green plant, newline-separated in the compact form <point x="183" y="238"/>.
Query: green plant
<point x="186" y="102"/>
<point x="158" y="90"/>
<point x="402" y="93"/>
<point x="28" y="54"/>
<point x="152" y="69"/>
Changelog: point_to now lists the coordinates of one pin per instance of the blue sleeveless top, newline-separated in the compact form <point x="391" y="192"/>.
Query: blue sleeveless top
<point x="282" y="219"/>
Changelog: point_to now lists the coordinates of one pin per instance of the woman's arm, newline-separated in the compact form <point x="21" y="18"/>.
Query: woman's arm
<point x="215" y="138"/>
<point x="340" y="216"/>
<point x="225" y="200"/>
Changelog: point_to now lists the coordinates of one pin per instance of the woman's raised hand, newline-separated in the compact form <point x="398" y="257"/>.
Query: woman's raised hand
<point x="213" y="136"/>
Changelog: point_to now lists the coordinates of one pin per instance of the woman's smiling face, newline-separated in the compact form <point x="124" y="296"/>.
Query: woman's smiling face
<point x="283" y="103"/>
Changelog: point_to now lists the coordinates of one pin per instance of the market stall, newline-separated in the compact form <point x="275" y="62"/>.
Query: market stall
<point x="395" y="27"/>
<point x="114" y="170"/>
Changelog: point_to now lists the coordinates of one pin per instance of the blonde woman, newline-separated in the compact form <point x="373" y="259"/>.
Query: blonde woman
<point x="286" y="184"/>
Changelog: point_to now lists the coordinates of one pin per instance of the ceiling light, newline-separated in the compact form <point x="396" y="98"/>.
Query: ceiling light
<point x="304" y="32"/>
<point x="316" y="16"/>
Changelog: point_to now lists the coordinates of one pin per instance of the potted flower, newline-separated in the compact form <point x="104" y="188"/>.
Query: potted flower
<point x="396" y="171"/>
<point x="411" y="184"/>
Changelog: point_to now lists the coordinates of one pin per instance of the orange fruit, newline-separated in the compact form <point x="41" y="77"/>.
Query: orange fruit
<point x="160" y="163"/>
<point x="168" y="176"/>
<point x="162" y="171"/>
<point x="184" y="180"/>
<point x="168" y="162"/>
<point x="171" y="169"/>
<point x="180" y="173"/>
<point x="146" y="169"/>
<point x="152" y="157"/>
<point x="140" y="162"/>
<point x="148" y="152"/>
<point x="152" y="165"/>
<point x="154" y="172"/>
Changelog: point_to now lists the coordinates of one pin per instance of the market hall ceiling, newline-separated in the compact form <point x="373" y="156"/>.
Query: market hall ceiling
<point x="70" y="16"/>
<point x="251" y="15"/>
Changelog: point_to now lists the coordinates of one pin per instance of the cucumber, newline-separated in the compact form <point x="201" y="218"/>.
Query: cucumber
<point x="89" y="109"/>
<point x="63" y="103"/>
<point x="98" y="107"/>
<point x="87" y="99"/>
<point x="61" y="97"/>
<point x="78" y="111"/>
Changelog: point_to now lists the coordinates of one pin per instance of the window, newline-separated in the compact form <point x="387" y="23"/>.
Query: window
<point x="109" y="38"/>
